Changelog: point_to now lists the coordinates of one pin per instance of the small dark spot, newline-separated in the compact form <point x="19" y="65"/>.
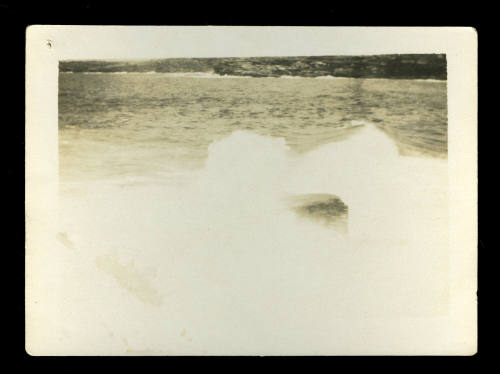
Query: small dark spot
<point x="64" y="240"/>
<point x="325" y="208"/>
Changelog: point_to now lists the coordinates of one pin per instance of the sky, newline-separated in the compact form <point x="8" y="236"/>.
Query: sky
<point x="144" y="42"/>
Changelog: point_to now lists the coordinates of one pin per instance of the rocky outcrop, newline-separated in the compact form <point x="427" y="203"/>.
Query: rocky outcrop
<point x="327" y="209"/>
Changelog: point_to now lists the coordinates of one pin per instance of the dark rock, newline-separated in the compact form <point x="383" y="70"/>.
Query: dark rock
<point x="327" y="209"/>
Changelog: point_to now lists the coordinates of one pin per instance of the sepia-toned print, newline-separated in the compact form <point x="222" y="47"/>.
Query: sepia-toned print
<point x="254" y="205"/>
<point x="239" y="174"/>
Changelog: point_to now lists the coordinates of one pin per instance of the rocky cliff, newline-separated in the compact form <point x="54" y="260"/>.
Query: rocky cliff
<point x="423" y="66"/>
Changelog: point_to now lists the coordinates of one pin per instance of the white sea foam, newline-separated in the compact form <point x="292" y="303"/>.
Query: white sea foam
<point x="330" y="77"/>
<point x="224" y="251"/>
<point x="431" y="80"/>
<point x="318" y="77"/>
<point x="203" y="75"/>
<point x="382" y="189"/>
<point x="210" y="75"/>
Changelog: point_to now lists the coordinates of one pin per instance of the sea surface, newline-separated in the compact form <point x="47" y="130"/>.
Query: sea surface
<point x="195" y="216"/>
<point x="140" y="124"/>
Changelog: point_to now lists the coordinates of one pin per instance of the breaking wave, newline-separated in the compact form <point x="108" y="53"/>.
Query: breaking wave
<point x="212" y="75"/>
<point x="225" y="249"/>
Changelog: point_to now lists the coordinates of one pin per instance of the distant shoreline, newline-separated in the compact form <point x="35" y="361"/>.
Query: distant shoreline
<point x="428" y="66"/>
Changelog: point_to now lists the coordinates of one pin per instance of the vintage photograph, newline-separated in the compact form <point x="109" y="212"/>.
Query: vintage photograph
<point x="251" y="205"/>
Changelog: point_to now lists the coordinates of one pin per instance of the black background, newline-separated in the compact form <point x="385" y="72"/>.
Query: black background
<point x="16" y="16"/>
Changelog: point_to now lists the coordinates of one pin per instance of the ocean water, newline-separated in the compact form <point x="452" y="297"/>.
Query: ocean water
<point x="196" y="213"/>
<point x="145" y="124"/>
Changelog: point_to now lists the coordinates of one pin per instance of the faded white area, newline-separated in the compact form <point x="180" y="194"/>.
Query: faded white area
<point x="218" y="265"/>
<point x="221" y="255"/>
